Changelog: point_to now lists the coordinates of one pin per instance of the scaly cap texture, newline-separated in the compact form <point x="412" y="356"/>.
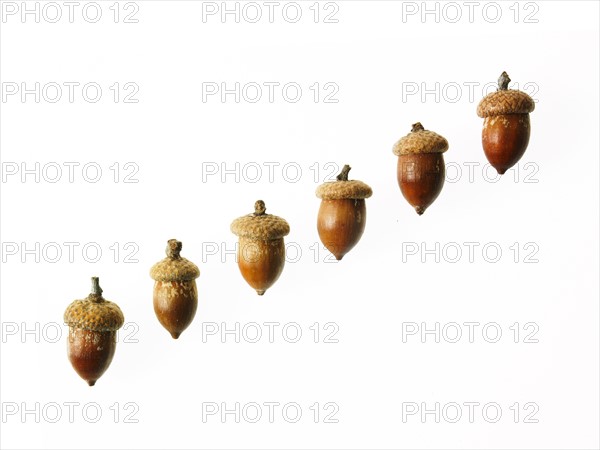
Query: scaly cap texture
<point x="260" y="226"/>
<point x="344" y="188"/>
<point x="505" y="101"/>
<point x="174" y="267"/>
<point x="420" y="140"/>
<point x="94" y="313"/>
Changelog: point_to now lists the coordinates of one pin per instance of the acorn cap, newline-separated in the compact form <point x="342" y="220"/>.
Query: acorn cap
<point x="94" y="313"/>
<point x="174" y="267"/>
<point x="344" y="188"/>
<point x="505" y="101"/>
<point x="420" y="140"/>
<point x="259" y="225"/>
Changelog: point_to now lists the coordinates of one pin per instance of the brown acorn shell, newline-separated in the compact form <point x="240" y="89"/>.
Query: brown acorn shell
<point x="91" y="352"/>
<point x="261" y="262"/>
<point x="421" y="178"/>
<point x="175" y="304"/>
<point x="341" y="223"/>
<point x="505" y="139"/>
<point x="93" y="324"/>
<point x="261" y="251"/>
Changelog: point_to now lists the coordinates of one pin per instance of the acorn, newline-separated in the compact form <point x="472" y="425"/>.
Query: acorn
<point x="506" y="126"/>
<point x="261" y="249"/>
<point x="93" y="323"/>
<point x="421" y="170"/>
<point x="175" y="294"/>
<point x="342" y="215"/>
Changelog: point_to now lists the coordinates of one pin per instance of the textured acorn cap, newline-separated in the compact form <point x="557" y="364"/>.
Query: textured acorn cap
<point x="259" y="225"/>
<point x="505" y="101"/>
<point x="420" y="140"/>
<point x="94" y="313"/>
<point x="174" y="267"/>
<point x="344" y="188"/>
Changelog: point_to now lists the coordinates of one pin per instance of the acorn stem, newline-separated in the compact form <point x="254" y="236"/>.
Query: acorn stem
<point x="259" y="208"/>
<point x="96" y="292"/>
<point x="503" y="82"/>
<point x="343" y="176"/>
<point x="417" y="127"/>
<point x="173" y="248"/>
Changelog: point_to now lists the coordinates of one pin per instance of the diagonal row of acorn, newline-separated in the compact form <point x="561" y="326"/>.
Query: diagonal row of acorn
<point x="94" y="321"/>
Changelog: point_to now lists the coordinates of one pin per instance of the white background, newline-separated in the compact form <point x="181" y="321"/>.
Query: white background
<point x="373" y="54"/>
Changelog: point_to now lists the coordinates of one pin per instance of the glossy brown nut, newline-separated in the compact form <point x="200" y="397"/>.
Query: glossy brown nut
<point x="175" y="295"/>
<point x="175" y="305"/>
<point x="506" y="126"/>
<point x="91" y="352"/>
<point x="341" y="224"/>
<point x="421" y="178"/>
<point x="343" y="213"/>
<point x="261" y="262"/>
<point x="261" y="250"/>
<point x="421" y="170"/>
<point x="505" y="139"/>
<point x="93" y="324"/>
